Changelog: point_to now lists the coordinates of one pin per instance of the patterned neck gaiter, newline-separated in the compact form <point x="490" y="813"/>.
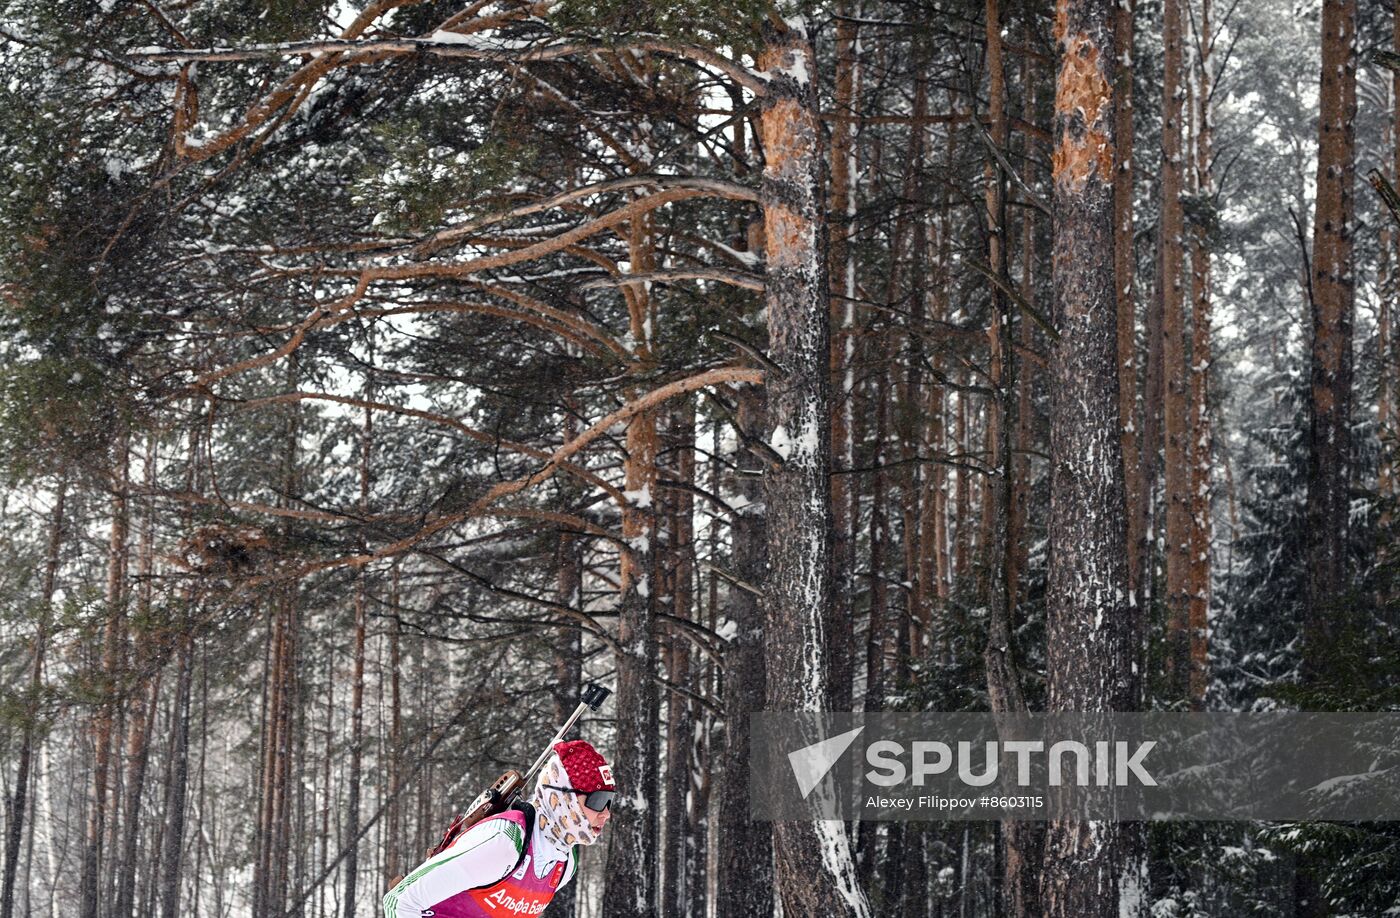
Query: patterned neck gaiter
<point x="559" y="814"/>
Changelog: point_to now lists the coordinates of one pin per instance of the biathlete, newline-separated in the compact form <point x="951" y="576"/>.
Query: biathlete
<point x="510" y="865"/>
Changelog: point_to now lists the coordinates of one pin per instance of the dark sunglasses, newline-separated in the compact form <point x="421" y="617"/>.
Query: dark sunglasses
<point x="598" y="800"/>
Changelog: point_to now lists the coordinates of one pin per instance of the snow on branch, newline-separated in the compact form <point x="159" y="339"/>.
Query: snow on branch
<point x="710" y="186"/>
<point x="434" y="417"/>
<point x="461" y="269"/>
<point x="452" y="44"/>
<point x="485" y="505"/>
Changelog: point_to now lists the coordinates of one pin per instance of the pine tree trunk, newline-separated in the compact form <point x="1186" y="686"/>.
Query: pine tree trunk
<point x="426" y="823"/>
<point x="914" y="889"/>
<point x="138" y="757"/>
<point x="281" y="702"/>
<point x="1138" y="446"/>
<point x="1021" y="842"/>
<point x="262" y="851"/>
<point x="994" y="503"/>
<point x="287" y="776"/>
<point x="878" y="626"/>
<point x="962" y="505"/>
<point x="680" y="733"/>
<point x="1089" y="616"/>
<point x="203" y="850"/>
<point x="1177" y="461"/>
<point x="1334" y="305"/>
<point x="102" y="728"/>
<point x="908" y="422"/>
<point x="172" y="855"/>
<point x="938" y="506"/>
<point x="814" y="874"/>
<point x="840" y="625"/>
<point x="877" y="631"/>
<point x="144" y="716"/>
<point x="568" y="650"/>
<point x="744" y="885"/>
<point x="357" y="680"/>
<point x="329" y="791"/>
<point x="393" y="821"/>
<point x="1153" y="396"/>
<point x="632" y="857"/>
<point x="1018" y="513"/>
<point x="1198" y="574"/>
<point x="1124" y="269"/>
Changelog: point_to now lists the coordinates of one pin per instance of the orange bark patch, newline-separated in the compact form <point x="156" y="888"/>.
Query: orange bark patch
<point x="1082" y="90"/>
<point x="782" y="129"/>
<point x="787" y="236"/>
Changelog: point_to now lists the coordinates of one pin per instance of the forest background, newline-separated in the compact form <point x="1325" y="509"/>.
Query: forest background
<point x="375" y="375"/>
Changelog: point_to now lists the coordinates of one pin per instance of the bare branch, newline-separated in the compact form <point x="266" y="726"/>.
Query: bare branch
<point x="483" y="504"/>
<point x="1387" y="193"/>
<point x="734" y="278"/>
<point x="461" y="269"/>
<point x="716" y="187"/>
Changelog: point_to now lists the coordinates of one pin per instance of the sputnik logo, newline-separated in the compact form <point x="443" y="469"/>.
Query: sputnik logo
<point x="811" y="763"/>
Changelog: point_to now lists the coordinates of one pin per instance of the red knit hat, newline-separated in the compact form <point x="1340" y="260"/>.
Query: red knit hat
<point x="588" y="771"/>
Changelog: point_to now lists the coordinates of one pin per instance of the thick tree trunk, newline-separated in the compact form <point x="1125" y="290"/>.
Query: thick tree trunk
<point x="814" y="871"/>
<point x="1334" y="305"/>
<point x="1089" y="618"/>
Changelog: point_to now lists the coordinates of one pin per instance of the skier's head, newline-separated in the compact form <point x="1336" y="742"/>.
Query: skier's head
<point x="573" y="797"/>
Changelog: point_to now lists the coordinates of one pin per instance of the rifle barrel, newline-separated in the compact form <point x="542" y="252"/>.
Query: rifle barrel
<point x="539" y="762"/>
